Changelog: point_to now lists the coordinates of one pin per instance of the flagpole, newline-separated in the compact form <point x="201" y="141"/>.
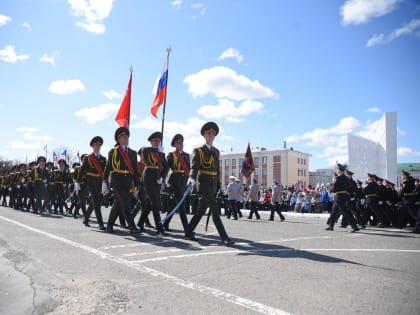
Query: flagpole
<point x="168" y="50"/>
<point x="46" y="152"/>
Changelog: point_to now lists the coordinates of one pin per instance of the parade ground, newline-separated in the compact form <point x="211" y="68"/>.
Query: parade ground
<point x="52" y="264"/>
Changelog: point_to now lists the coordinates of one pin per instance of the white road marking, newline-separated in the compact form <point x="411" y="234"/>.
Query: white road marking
<point x="224" y="296"/>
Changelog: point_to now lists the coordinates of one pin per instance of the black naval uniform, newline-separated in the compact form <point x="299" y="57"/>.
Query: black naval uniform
<point x="178" y="181"/>
<point x="155" y="167"/>
<point x="341" y="189"/>
<point x="121" y="181"/>
<point x="93" y="177"/>
<point x="205" y="170"/>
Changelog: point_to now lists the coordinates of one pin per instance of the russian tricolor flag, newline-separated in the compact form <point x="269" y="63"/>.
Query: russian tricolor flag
<point x="160" y="90"/>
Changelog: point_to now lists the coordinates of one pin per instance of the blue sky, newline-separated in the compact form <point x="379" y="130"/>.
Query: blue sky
<point x="304" y="72"/>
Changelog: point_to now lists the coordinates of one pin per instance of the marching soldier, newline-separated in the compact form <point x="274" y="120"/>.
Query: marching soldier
<point x="30" y="187"/>
<point x="407" y="212"/>
<point x="341" y="189"/>
<point x="276" y="200"/>
<point x="121" y="168"/>
<point x="81" y="191"/>
<point x="205" y="169"/>
<point x="155" y="170"/>
<point x="50" y="199"/>
<point x="253" y="195"/>
<point x="233" y="191"/>
<point x="40" y="185"/>
<point x="93" y="170"/>
<point x="61" y="180"/>
<point x="179" y="163"/>
<point x="371" y="192"/>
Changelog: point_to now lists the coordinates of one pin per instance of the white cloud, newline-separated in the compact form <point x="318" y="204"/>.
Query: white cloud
<point x="407" y="152"/>
<point x="189" y="129"/>
<point x="111" y="94"/>
<point x="361" y="11"/>
<point x="50" y="58"/>
<point x="27" y="26"/>
<point x="4" y="19"/>
<point x="176" y="4"/>
<point x="199" y="7"/>
<point x="226" y="109"/>
<point x="411" y="27"/>
<point x="30" y="139"/>
<point x="93" y="115"/>
<point x="92" y="12"/>
<point x="66" y="87"/>
<point x="223" y="82"/>
<point x="8" y="54"/>
<point x="231" y="53"/>
<point x="373" y="110"/>
<point x="334" y="135"/>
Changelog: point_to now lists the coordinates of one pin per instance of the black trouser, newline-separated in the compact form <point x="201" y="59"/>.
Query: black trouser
<point x="121" y="187"/>
<point x="340" y="206"/>
<point x="208" y="201"/>
<point x="94" y="186"/>
<point x="41" y="195"/>
<point x="276" y="208"/>
<point x="233" y="207"/>
<point x="373" y="207"/>
<point x="354" y="210"/>
<point x="59" y="198"/>
<point x="152" y="189"/>
<point x="253" y="210"/>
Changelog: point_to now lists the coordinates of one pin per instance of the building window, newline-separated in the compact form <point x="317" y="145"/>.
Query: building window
<point x="264" y="171"/>
<point x="257" y="172"/>
<point x="264" y="160"/>
<point x="256" y="160"/>
<point x="226" y="162"/>
<point x="241" y="161"/>
<point x="298" y="160"/>
<point x="233" y="162"/>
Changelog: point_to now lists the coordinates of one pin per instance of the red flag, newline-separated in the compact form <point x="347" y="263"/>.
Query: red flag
<point x="123" y="116"/>
<point x="248" y="163"/>
<point x="161" y="87"/>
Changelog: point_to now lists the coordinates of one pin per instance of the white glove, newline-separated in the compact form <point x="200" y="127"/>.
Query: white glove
<point x="18" y="186"/>
<point x="362" y="201"/>
<point x="136" y="193"/>
<point x="45" y="181"/>
<point x="104" y="188"/>
<point x="159" y="181"/>
<point x="22" y="180"/>
<point x="191" y="181"/>
<point x="76" y="186"/>
<point x="161" y="149"/>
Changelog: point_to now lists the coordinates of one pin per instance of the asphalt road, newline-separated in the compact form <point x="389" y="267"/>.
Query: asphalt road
<point x="54" y="265"/>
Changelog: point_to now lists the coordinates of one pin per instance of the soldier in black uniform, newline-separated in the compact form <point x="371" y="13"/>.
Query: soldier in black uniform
<point x="341" y="189"/>
<point x="61" y="180"/>
<point x="92" y="170"/>
<point x="371" y="192"/>
<point x="205" y="169"/>
<point x="407" y="212"/>
<point x="179" y="163"/>
<point x="40" y="185"/>
<point x="155" y="170"/>
<point x="352" y="202"/>
<point x="30" y="187"/>
<point x="121" y="167"/>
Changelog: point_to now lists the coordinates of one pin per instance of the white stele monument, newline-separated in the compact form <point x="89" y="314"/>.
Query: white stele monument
<point x="376" y="154"/>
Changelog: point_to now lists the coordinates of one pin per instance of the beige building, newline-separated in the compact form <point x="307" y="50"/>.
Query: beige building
<point x="286" y="165"/>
